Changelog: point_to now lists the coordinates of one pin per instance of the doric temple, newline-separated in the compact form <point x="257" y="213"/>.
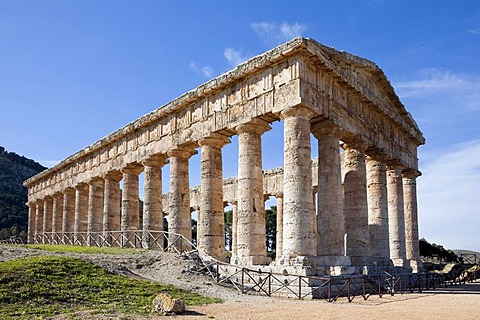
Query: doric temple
<point x="353" y="207"/>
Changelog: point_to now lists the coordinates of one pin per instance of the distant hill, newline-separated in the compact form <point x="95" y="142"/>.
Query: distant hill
<point x="14" y="169"/>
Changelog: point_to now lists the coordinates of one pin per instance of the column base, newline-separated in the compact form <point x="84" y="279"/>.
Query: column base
<point x="251" y="261"/>
<point x="402" y="263"/>
<point x="416" y="265"/>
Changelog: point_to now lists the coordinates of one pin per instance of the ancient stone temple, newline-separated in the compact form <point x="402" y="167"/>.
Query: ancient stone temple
<point x="353" y="207"/>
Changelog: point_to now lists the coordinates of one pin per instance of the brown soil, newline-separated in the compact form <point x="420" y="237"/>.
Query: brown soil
<point x="461" y="302"/>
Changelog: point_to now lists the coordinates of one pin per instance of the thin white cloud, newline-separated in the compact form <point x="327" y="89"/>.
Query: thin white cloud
<point x="475" y="31"/>
<point x="273" y="34"/>
<point x="234" y="57"/>
<point x="448" y="195"/>
<point x="207" y="71"/>
<point x="448" y="88"/>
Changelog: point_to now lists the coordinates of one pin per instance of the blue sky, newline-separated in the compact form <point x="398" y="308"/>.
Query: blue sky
<point x="71" y="72"/>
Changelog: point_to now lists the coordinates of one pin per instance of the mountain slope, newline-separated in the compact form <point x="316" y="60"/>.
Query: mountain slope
<point x="14" y="169"/>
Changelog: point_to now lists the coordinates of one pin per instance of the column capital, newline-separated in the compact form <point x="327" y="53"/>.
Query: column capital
<point x="31" y="204"/>
<point x="326" y="128"/>
<point x="113" y="176"/>
<point x="96" y="182"/>
<point x="254" y="126"/>
<point x="355" y="143"/>
<point x="69" y="191"/>
<point x="182" y="152"/>
<point x="214" y="140"/>
<point x="81" y="186"/>
<point x="132" y="168"/>
<point x="377" y="155"/>
<point x="395" y="165"/>
<point x="58" y="195"/>
<point x="39" y="202"/>
<point x="297" y="111"/>
<point x="157" y="160"/>
<point x="48" y="198"/>
<point x="410" y="173"/>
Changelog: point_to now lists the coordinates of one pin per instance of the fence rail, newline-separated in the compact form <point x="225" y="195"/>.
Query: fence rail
<point x="247" y="280"/>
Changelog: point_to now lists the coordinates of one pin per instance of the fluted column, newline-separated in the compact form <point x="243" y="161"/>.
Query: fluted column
<point x="81" y="211"/>
<point x="95" y="210"/>
<point x="32" y="209"/>
<point x="39" y="221"/>
<point x="57" y="218"/>
<point x="298" y="229"/>
<point x="68" y="219"/>
<point x="152" y="200"/>
<point x="234" y="228"/>
<point x="411" y="218"/>
<point x="279" y="235"/>
<point x="47" y="219"/>
<point x="211" y="221"/>
<point x="330" y="220"/>
<point x="111" y="207"/>
<point x="396" y="219"/>
<point x="355" y="199"/>
<point x="251" y="233"/>
<point x="179" y="202"/>
<point x="378" y="210"/>
<point x="130" y="204"/>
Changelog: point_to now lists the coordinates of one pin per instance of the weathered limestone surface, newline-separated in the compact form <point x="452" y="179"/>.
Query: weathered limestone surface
<point x="411" y="218"/>
<point x="330" y="219"/>
<point x="81" y="208"/>
<point x="179" y="198"/>
<point x="152" y="203"/>
<point x="130" y="204"/>
<point x="68" y="210"/>
<point x="339" y="97"/>
<point x="356" y="210"/>
<point x="211" y="221"/>
<point x="111" y="204"/>
<point x="396" y="215"/>
<point x="57" y="213"/>
<point x="251" y="245"/>
<point x="378" y="211"/>
<point x="298" y="229"/>
<point x="32" y="208"/>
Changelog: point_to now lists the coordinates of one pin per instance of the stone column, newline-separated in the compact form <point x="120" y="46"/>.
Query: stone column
<point x="396" y="219"/>
<point x="38" y="233"/>
<point x="378" y="210"/>
<point x="279" y="235"/>
<point x="251" y="233"/>
<point x="111" y="207"/>
<point x="234" y="228"/>
<point x="179" y="198"/>
<point x="81" y="210"/>
<point x="355" y="200"/>
<point x="298" y="229"/>
<point x="129" y="220"/>
<point x="211" y="220"/>
<point x="330" y="220"/>
<point x="68" y="219"/>
<point x="95" y="211"/>
<point x="32" y="209"/>
<point x="152" y="201"/>
<point x="411" y="218"/>
<point x="57" y="218"/>
<point x="47" y="219"/>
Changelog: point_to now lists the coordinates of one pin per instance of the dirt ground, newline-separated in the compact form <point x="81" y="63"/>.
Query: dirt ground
<point x="461" y="302"/>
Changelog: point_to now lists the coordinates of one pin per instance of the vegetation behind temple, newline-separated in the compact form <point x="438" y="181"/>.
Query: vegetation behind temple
<point x="14" y="169"/>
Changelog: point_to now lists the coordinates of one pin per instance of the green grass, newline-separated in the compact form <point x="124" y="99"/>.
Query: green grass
<point x="46" y="286"/>
<point x="82" y="249"/>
